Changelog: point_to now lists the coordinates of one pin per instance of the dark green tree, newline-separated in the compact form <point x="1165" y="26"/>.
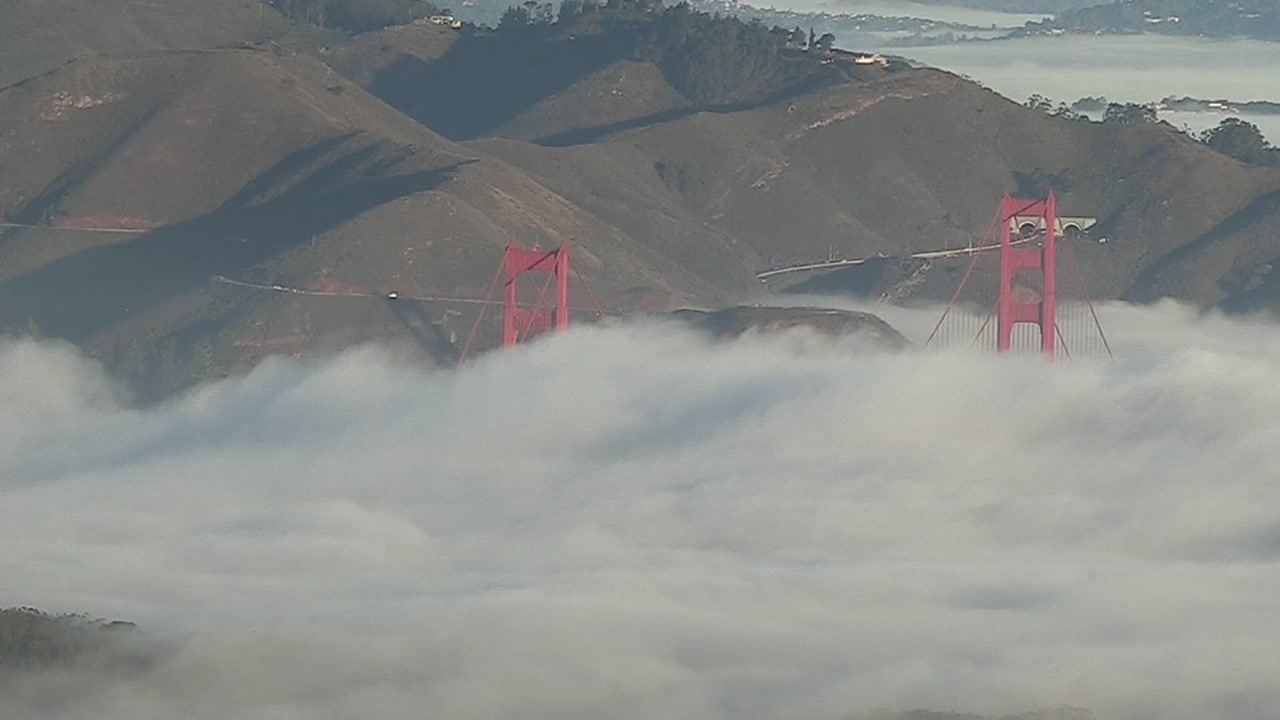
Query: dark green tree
<point x="1040" y="102"/>
<point x="514" y="19"/>
<point x="1129" y="114"/>
<point x="1241" y="140"/>
<point x="1064" y="111"/>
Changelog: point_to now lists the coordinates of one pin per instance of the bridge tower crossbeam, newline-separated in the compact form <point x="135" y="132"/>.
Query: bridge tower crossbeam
<point x="521" y="322"/>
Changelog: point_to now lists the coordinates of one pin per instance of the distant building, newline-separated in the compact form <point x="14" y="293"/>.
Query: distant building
<point x="859" y="58"/>
<point x="444" y="20"/>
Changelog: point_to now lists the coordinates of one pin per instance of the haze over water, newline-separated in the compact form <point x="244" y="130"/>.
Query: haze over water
<point x="1142" y="69"/>
<point x="889" y="8"/>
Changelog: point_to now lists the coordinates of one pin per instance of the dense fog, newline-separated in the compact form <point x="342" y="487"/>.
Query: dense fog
<point x="636" y="522"/>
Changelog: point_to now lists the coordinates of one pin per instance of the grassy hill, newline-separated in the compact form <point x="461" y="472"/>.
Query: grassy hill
<point x="916" y="160"/>
<point x="271" y="195"/>
<point x="39" y="35"/>
<point x="311" y="184"/>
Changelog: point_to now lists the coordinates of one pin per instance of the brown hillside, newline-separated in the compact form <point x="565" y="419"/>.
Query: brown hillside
<point x="916" y="160"/>
<point x="264" y="202"/>
<point x="482" y="84"/>
<point x="619" y="93"/>
<point x="265" y="170"/>
<point x="39" y="35"/>
<point x="364" y="58"/>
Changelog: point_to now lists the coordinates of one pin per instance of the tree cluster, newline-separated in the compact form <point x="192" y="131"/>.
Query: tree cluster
<point x="529" y="14"/>
<point x="1045" y="105"/>
<point x="356" y="15"/>
<point x="1232" y="137"/>
<point x="535" y="14"/>
<point x="1115" y="113"/>
<point x="1241" y="140"/>
<point x="1129" y="114"/>
<point x="710" y="58"/>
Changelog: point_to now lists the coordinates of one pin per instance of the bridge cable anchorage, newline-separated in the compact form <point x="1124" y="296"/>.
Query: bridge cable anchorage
<point x="519" y="323"/>
<point x="1032" y="313"/>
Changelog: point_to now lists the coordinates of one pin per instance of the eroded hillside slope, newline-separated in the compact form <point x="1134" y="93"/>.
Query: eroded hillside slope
<point x="313" y="185"/>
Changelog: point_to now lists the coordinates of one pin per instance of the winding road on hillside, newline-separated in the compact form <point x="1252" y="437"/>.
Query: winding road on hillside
<point x="846" y="262"/>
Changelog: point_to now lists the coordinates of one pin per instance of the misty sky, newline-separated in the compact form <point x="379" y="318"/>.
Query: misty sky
<point x="889" y="8"/>
<point x="634" y="523"/>
<point x="1122" y="68"/>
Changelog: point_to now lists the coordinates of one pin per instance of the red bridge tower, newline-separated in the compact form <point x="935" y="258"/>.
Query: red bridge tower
<point x="1027" y="292"/>
<point x="521" y="322"/>
<point x="1042" y="259"/>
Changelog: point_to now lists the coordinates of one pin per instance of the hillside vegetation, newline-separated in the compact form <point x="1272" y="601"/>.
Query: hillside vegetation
<point x="707" y="61"/>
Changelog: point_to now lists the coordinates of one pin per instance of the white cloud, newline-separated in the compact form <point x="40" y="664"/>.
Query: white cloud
<point x="635" y="523"/>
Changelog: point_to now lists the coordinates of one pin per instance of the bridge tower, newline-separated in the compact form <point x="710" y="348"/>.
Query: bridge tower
<point x="1032" y="237"/>
<point x="520" y="322"/>
<point x="1041" y="258"/>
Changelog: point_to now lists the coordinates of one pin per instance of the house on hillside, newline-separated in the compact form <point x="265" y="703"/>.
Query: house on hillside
<point x="448" y="21"/>
<point x="859" y="58"/>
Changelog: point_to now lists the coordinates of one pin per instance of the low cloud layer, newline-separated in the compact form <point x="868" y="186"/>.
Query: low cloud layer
<point x="905" y="8"/>
<point x="635" y="523"/>
<point x="1123" y="68"/>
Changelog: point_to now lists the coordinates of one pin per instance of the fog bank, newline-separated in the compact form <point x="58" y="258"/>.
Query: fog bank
<point x="633" y="522"/>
